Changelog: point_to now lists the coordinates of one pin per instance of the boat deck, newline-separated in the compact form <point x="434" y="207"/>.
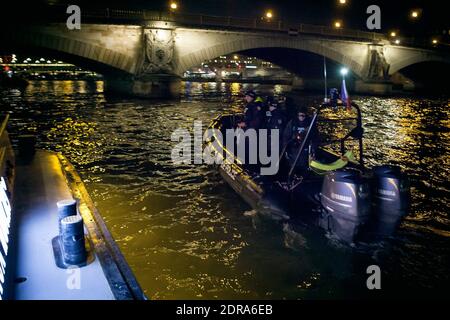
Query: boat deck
<point x="39" y="185"/>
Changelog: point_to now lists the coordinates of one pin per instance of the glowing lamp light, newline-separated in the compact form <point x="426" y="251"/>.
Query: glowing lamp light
<point x="397" y="41"/>
<point x="434" y="41"/>
<point x="173" y="6"/>
<point x="342" y="1"/>
<point x="344" y="71"/>
<point x="393" y="34"/>
<point x="414" y="14"/>
<point x="337" y="24"/>
<point x="269" y="14"/>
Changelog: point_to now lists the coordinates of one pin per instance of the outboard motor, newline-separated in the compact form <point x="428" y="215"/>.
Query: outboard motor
<point x="345" y="198"/>
<point x="390" y="198"/>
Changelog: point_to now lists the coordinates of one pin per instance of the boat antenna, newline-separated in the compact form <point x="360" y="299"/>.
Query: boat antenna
<point x="305" y="140"/>
<point x="325" y="78"/>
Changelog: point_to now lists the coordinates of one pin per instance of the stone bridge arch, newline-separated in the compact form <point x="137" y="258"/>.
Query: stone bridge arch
<point x="93" y="47"/>
<point x="402" y="57"/>
<point x="227" y="43"/>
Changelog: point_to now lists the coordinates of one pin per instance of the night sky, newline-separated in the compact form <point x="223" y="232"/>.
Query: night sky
<point x="395" y="14"/>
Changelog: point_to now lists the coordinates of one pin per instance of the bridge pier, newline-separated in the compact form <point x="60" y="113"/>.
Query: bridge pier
<point x="373" y="87"/>
<point x="152" y="86"/>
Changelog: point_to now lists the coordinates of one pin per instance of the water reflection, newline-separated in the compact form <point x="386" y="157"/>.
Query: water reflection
<point x="186" y="234"/>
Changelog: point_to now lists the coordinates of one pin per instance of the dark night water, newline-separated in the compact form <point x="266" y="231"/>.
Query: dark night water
<point x="186" y="234"/>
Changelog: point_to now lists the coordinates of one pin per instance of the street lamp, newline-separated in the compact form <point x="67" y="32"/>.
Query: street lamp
<point x="344" y="72"/>
<point x="415" y="14"/>
<point x="342" y="1"/>
<point x="338" y="24"/>
<point x="397" y="41"/>
<point x="393" y="34"/>
<point x="269" y="14"/>
<point x="173" y="6"/>
<point x="434" y="41"/>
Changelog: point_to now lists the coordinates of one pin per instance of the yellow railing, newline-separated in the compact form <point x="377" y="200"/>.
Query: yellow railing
<point x="3" y="125"/>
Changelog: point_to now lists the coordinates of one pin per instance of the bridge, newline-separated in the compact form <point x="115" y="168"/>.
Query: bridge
<point x="144" y="53"/>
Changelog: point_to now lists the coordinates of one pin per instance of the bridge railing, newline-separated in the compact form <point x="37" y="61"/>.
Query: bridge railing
<point x="57" y="13"/>
<point x="142" y="16"/>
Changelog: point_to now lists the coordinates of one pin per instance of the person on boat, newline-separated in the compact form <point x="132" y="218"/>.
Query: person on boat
<point x="293" y="137"/>
<point x="253" y="118"/>
<point x="274" y="120"/>
<point x="334" y="97"/>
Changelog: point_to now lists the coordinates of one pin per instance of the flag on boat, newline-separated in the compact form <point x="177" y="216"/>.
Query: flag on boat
<point x="344" y="95"/>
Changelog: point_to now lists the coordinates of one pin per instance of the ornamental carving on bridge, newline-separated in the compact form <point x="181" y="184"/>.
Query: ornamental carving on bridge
<point x="158" y="51"/>
<point x="378" y="67"/>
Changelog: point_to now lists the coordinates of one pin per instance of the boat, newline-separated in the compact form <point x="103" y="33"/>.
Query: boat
<point x="336" y="193"/>
<point x="54" y="242"/>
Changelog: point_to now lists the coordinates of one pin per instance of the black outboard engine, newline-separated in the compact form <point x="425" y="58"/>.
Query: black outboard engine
<point x="345" y="198"/>
<point x="391" y="198"/>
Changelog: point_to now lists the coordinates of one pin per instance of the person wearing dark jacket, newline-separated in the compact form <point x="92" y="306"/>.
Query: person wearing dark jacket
<point x="275" y="118"/>
<point x="253" y="117"/>
<point x="293" y="137"/>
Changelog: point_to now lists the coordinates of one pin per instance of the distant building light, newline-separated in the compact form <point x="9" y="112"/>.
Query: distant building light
<point x="251" y="67"/>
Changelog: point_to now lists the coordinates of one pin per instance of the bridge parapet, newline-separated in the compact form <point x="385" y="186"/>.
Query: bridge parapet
<point x="141" y="17"/>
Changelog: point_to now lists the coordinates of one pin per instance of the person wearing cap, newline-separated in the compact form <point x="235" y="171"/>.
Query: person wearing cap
<point x="274" y="120"/>
<point x="253" y="112"/>
<point x="293" y="138"/>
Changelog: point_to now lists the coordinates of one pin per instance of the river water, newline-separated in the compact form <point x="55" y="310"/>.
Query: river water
<point x="187" y="235"/>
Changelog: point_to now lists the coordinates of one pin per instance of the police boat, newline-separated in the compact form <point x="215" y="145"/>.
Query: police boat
<point x="54" y="244"/>
<point x="336" y="192"/>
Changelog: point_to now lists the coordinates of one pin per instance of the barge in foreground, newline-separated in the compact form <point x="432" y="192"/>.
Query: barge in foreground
<point x="336" y="193"/>
<point x="40" y="257"/>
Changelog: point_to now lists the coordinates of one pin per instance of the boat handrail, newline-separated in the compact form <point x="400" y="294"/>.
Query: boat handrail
<point x="4" y="124"/>
<point x="350" y="134"/>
